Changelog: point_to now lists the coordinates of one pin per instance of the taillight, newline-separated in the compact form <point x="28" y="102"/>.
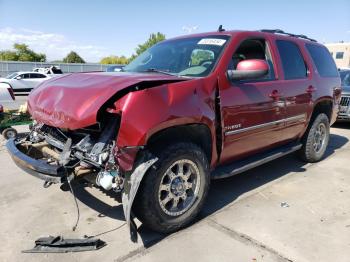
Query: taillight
<point x="11" y="93"/>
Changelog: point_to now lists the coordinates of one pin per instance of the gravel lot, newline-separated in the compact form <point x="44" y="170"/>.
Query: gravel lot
<point x="285" y="210"/>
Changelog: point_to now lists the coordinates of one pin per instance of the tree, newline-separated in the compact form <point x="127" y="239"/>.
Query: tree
<point x="73" y="57"/>
<point x="152" y="40"/>
<point x="122" y="60"/>
<point x="22" y="53"/>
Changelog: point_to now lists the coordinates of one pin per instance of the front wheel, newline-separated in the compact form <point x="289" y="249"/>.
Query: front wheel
<point x="315" y="140"/>
<point x="174" y="189"/>
<point x="9" y="133"/>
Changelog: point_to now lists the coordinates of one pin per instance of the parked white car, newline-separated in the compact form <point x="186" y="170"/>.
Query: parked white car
<point x="24" y="81"/>
<point x="6" y="93"/>
<point x="51" y="70"/>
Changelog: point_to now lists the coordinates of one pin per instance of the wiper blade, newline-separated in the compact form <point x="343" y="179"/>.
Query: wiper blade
<point x="159" y="71"/>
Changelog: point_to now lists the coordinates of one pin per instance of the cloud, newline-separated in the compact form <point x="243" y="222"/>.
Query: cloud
<point x="54" y="45"/>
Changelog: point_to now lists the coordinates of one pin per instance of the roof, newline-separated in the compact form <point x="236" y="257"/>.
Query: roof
<point x="263" y="32"/>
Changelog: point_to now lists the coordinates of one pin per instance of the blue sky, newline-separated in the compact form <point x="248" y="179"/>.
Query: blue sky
<point x="98" y="28"/>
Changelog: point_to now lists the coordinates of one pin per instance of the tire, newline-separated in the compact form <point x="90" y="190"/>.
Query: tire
<point x="152" y="205"/>
<point x="314" y="143"/>
<point x="9" y="133"/>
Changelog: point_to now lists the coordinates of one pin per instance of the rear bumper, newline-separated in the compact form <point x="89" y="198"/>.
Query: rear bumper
<point x="35" y="167"/>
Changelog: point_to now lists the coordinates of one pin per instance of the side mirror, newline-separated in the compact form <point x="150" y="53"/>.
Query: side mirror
<point x="18" y="77"/>
<point x="249" y="69"/>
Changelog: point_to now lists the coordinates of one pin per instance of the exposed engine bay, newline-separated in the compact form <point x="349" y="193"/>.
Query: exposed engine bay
<point x="88" y="152"/>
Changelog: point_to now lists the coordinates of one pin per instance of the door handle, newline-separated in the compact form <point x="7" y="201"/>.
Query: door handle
<point x="311" y="89"/>
<point x="275" y="95"/>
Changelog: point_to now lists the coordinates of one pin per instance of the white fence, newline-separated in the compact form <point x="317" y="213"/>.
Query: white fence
<point x="8" y="67"/>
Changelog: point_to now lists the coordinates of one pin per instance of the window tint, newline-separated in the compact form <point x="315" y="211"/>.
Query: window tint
<point x="339" y="55"/>
<point x="37" y="76"/>
<point x="323" y="61"/>
<point x="292" y="61"/>
<point x="24" y="76"/>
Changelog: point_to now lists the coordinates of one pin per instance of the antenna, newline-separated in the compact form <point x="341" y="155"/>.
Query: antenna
<point x="220" y="29"/>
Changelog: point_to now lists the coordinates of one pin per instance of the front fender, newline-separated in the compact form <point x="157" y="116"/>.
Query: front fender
<point x="131" y="186"/>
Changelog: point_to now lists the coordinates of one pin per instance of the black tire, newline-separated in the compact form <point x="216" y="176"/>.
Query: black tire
<point x="148" y="207"/>
<point x="9" y="133"/>
<point x="308" y="153"/>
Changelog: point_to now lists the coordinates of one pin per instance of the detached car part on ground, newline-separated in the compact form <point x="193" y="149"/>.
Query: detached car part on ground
<point x="185" y="111"/>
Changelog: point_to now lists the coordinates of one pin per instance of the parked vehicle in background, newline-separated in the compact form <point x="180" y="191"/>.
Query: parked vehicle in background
<point x="116" y="68"/>
<point x="24" y="82"/>
<point x="187" y="110"/>
<point x="51" y="70"/>
<point x="6" y="93"/>
<point x="344" y="112"/>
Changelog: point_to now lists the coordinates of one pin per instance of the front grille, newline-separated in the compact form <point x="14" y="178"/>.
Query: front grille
<point x="345" y="101"/>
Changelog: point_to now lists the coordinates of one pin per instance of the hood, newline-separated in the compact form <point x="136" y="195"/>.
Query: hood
<point x="72" y="101"/>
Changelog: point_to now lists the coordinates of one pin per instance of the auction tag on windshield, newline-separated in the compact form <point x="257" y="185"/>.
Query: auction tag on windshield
<point x="212" y="41"/>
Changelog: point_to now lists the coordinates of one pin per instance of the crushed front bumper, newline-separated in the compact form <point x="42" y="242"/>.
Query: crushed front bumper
<point x="58" y="174"/>
<point x="35" y="167"/>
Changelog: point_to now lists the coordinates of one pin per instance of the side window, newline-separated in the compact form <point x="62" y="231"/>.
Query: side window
<point x="292" y="60"/>
<point x="37" y="76"/>
<point x="25" y="76"/>
<point x="323" y="60"/>
<point x="253" y="49"/>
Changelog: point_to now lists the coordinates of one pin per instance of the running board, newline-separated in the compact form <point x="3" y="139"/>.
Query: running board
<point x="240" y="166"/>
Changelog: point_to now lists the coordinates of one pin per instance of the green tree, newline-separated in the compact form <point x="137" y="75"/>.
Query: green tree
<point x="22" y="53"/>
<point x="122" y="60"/>
<point x="152" y="40"/>
<point x="73" y="57"/>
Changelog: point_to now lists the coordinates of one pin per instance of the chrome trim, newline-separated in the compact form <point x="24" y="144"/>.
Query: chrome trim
<point x="281" y="121"/>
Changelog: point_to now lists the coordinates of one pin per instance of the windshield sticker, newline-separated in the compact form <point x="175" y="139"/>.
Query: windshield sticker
<point x="212" y="41"/>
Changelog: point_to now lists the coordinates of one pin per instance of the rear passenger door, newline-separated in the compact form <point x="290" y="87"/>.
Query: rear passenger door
<point x="297" y="87"/>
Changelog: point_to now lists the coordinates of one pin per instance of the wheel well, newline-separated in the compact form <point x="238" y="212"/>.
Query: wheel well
<point x="325" y="107"/>
<point x="198" y="134"/>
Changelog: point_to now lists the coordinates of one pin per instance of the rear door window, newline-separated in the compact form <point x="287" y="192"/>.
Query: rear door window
<point x="293" y="63"/>
<point x="323" y="60"/>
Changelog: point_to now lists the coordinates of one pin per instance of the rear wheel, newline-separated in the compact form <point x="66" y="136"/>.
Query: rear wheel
<point x="9" y="133"/>
<point x="173" y="191"/>
<point x="316" y="139"/>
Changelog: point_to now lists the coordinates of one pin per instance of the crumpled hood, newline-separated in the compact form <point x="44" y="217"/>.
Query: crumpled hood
<point x="73" y="100"/>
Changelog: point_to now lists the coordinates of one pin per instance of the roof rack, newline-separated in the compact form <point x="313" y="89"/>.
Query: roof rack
<point x="281" y="32"/>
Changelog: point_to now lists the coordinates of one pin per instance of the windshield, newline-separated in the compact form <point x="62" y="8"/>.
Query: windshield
<point x="10" y="76"/>
<point x="345" y="78"/>
<point x="195" y="56"/>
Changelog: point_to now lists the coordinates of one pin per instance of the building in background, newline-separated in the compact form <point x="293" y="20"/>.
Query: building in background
<point x="341" y="54"/>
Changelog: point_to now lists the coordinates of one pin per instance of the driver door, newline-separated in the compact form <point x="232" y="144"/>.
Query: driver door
<point x="252" y="111"/>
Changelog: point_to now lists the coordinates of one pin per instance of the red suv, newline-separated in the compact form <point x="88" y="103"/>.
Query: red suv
<point x="187" y="110"/>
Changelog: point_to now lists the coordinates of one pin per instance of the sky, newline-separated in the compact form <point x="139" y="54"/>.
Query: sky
<point x="95" y="29"/>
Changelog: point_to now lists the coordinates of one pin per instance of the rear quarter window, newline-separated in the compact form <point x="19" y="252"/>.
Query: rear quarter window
<point x="322" y="60"/>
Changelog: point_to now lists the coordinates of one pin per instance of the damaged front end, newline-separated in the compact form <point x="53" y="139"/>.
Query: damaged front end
<point x="58" y="155"/>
